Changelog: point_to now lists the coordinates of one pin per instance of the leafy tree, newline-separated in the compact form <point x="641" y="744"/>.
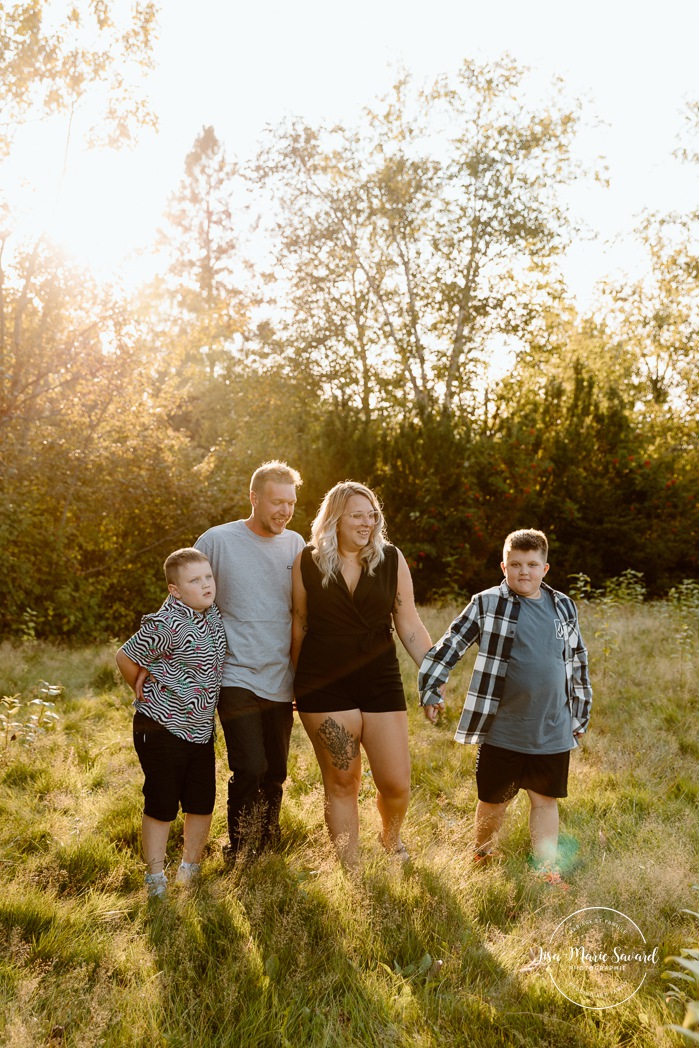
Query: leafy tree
<point x="201" y="239"/>
<point x="656" y="321"/>
<point x="197" y="311"/>
<point x="49" y="66"/>
<point x="410" y="243"/>
<point x="72" y="389"/>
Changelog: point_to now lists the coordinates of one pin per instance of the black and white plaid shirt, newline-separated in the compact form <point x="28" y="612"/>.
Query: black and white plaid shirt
<point x="490" y="620"/>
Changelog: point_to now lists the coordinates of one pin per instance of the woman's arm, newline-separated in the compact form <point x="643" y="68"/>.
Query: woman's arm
<point x="411" y="629"/>
<point x="409" y="626"/>
<point x="299" y="611"/>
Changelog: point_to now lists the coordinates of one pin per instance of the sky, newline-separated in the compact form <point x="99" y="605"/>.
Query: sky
<point x="243" y="66"/>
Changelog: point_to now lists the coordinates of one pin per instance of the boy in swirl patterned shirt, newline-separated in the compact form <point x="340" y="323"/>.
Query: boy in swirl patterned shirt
<point x="182" y="647"/>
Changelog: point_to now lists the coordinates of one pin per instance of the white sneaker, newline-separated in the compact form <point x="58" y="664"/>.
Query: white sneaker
<point x="156" y="883"/>
<point x="187" y="872"/>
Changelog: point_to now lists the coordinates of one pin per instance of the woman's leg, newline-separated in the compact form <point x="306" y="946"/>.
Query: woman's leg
<point x="335" y="738"/>
<point x="385" y="740"/>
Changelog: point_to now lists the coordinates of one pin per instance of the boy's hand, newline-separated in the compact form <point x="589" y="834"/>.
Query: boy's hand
<point x="432" y="712"/>
<point x="141" y="678"/>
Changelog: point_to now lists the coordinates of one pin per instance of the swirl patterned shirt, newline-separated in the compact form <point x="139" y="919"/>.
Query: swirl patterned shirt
<point x="183" y="651"/>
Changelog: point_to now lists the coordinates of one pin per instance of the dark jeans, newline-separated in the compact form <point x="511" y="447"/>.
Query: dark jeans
<point x="257" y="733"/>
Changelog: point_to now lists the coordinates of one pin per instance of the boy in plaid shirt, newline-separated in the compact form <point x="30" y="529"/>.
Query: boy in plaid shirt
<point x="529" y="696"/>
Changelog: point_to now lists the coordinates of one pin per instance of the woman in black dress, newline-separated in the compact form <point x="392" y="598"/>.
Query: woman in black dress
<point x="350" y="589"/>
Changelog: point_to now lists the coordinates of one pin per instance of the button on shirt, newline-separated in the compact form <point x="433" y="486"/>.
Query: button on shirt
<point x="183" y="651"/>
<point x="490" y="620"/>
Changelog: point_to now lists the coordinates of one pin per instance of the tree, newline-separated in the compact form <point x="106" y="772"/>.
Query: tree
<point x="410" y="243"/>
<point x="58" y="68"/>
<point x="201" y="240"/>
<point x="655" y="320"/>
<point x="70" y="373"/>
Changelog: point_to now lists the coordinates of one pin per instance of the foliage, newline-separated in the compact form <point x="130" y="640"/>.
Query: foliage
<point x="688" y="961"/>
<point x="404" y="250"/>
<point x="200" y="240"/>
<point x="51" y="65"/>
<point x="288" y="950"/>
<point x="409" y="242"/>
<point x="627" y="588"/>
<point x="32" y="722"/>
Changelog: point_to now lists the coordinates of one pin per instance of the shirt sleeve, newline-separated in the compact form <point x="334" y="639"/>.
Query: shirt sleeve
<point x="205" y="546"/>
<point x="153" y="641"/>
<point x="443" y="656"/>
<point x="582" y="689"/>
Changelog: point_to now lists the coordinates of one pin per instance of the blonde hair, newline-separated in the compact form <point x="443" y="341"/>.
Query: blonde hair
<point x="178" y="559"/>
<point x="324" y="530"/>
<point x="275" y="472"/>
<point x="526" y="539"/>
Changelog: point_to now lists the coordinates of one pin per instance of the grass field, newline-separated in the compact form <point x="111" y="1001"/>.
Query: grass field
<point x="290" y="951"/>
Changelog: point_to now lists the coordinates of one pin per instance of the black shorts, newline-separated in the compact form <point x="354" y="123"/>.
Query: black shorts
<point x="336" y="701"/>
<point x="330" y="681"/>
<point x="501" y="773"/>
<point x="176" y="771"/>
<point x="357" y="691"/>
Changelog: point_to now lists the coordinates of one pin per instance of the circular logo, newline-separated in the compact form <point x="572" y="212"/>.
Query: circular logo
<point x="598" y="957"/>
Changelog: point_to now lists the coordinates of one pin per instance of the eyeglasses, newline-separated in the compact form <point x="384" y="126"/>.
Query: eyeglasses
<point x="357" y="518"/>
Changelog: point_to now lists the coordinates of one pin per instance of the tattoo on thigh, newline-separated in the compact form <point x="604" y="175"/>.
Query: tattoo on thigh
<point x="340" y="743"/>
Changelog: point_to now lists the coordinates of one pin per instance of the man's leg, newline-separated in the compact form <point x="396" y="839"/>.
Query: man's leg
<point x="277" y="721"/>
<point x="241" y="719"/>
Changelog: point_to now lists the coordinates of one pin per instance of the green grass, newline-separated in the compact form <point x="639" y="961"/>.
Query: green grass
<point x="290" y="951"/>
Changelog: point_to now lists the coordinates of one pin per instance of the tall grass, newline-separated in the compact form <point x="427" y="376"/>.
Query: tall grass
<point x="290" y="951"/>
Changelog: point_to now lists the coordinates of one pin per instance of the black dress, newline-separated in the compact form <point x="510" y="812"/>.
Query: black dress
<point x="348" y="657"/>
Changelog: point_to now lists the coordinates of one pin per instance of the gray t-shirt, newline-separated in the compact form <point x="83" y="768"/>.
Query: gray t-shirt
<point x="253" y="594"/>
<point x="533" y="715"/>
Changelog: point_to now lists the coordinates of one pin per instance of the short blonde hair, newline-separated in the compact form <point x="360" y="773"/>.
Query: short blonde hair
<point x="324" y="530"/>
<point x="524" y="539"/>
<point x="275" y="472"/>
<point x="178" y="559"/>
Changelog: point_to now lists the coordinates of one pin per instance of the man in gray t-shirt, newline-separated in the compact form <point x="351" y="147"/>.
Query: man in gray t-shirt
<point x="251" y="561"/>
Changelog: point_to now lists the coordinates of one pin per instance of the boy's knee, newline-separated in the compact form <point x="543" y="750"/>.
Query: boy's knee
<point x="538" y="800"/>
<point x="488" y="808"/>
